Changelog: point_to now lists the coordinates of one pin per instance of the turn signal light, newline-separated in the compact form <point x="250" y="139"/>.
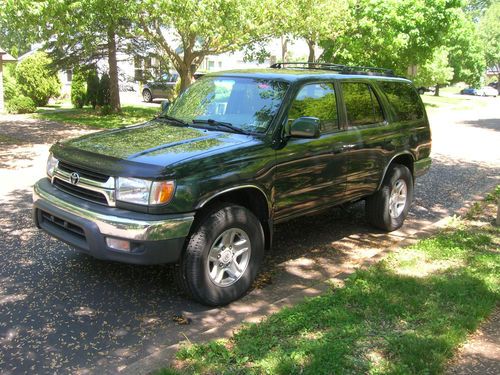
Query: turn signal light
<point x="162" y="192"/>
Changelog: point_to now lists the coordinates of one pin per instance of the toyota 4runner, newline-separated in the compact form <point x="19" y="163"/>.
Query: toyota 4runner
<point x="204" y="183"/>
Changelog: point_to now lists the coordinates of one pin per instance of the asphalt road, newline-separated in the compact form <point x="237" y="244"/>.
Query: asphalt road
<point x="63" y="312"/>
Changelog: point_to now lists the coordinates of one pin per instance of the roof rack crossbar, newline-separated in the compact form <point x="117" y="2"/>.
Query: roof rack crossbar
<point x="343" y="69"/>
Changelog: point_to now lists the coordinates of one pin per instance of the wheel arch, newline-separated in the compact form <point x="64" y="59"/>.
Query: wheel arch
<point x="251" y="197"/>
<point x="404" y="158"/>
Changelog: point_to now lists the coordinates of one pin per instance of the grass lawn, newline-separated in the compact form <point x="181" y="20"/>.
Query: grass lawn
<point x="131" y="114"/>
<point x="405" y="315"/>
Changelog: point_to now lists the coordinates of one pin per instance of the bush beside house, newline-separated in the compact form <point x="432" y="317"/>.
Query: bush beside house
<point x="78" y="90"/>
<point x="36" y="80"/>
<point x="20" y="104"/>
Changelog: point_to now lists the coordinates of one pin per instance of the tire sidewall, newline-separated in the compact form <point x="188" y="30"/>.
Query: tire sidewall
<point x="147" y="92"/>
<point x="200" y="283"/>
<point x="397" y="172"/>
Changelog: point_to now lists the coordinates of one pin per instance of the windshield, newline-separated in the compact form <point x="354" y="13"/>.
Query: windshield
<point x="246" y="103"/>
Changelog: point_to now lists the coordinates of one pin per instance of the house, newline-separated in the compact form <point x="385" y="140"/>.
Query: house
<point x="4" y="58"/>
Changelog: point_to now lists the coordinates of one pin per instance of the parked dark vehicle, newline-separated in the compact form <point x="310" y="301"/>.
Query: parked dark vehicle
<point x="205" y="182"/>
<point x="162" y="87"/>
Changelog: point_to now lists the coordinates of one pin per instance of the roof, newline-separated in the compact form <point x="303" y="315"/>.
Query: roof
<point x="5" y="56"/>
<point x="296" y="75"/>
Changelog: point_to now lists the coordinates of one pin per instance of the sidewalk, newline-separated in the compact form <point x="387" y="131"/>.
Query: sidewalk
<point x="481" y="353"/>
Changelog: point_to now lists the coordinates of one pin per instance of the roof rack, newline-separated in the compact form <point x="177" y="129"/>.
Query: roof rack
<point x="342" y="69"/>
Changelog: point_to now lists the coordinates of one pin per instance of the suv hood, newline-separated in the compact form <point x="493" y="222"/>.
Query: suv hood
<point x="154" y="143"/>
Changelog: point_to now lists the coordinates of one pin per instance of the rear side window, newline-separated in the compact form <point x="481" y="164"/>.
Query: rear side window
<point x="361" y="104"/>
<point x="316" y="100"/>
<point x="404" y="99"/>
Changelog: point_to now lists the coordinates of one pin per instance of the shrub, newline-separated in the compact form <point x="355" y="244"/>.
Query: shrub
<point x="92" y="88"/>
<point x="21" y="104"/>
<point x="106" y="110"/>
<point x="103" y="94"/>
<point x="36" y="80"/>
<point x="78" y="90"/>
<point x="9" y="82"/>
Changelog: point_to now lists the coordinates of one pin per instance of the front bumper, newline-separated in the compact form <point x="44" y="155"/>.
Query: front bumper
<point x="154" y="239"/>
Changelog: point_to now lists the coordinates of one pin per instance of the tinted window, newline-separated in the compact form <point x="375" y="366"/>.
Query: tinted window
<point x="361" y="104"/>
<point x="404" y="99"/>
<point x="316" y="100"/>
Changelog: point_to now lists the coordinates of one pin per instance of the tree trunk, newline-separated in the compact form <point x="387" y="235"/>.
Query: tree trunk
<point x="436" y="93"/>
<point x="311" y="44"/>
<point x="114" y="88"/>
<point x="186" y="78"/>
<point x="284" y="48"/>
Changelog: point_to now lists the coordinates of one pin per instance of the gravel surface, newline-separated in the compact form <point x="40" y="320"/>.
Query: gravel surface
<point x="63" y="312"/>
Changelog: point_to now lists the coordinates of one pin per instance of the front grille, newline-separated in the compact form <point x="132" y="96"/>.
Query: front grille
<point x="80" y="192"/>
<point x="59" y="223"/>
<point x="83" y="172"/>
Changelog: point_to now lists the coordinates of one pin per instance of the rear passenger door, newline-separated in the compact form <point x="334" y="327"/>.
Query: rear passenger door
<point x="364" y="138"/>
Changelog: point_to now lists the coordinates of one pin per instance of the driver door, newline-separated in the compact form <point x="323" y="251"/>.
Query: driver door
<point x="310" y="173"/>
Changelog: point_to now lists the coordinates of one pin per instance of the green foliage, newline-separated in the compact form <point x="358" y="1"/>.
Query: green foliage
<point x="490" y="34"/>
<point x="78" y="90"/>
<point x="20" y="104"/>
<point x="103" y="94"/>
<point x="436" y="70"/>
<point x="9" y="82"/>
<point x="36" y="80"/>
<point x="92" y="88"/>
<point x="392" y="33"/>
<point x="466" y="53"/>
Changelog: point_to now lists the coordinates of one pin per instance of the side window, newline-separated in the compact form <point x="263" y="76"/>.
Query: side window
<point x="404" y="99"/>
<point x="361" y="104"/>
<point x="316" y="100"/>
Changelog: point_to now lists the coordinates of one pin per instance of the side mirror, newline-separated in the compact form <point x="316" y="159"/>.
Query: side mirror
<point x="164" y="105"/>
<point x="305" y="127"/>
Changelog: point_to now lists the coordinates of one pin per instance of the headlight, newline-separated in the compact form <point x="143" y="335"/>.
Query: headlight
<point x="51" y="165"/>
<point x="138" y="191"/>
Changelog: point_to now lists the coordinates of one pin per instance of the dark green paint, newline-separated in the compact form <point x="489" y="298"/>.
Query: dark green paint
<point x="297" y="175"/>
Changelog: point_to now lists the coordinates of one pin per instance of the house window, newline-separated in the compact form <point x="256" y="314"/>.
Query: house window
<point x="211" y="65"/>
<point x="220" y="64"/>
<point x="69" y="75"/>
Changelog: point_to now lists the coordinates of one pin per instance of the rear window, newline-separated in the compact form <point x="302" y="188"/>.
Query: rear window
<point x="404" y="99"/>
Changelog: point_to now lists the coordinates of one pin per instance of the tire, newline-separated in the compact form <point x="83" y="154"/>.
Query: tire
<point x="388" y="213"/>
<point x="208" y="271"/>
<point x="147" y="96"/>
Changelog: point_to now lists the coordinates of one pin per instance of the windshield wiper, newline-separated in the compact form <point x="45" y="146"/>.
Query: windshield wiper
<point x="221" y="124"/>
<point x="172" y="119"/>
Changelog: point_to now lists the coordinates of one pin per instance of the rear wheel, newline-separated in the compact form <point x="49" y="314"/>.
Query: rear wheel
<point x="388" y="207"/>
<point x="222" y="256"/>
<point x="146" y="95"/>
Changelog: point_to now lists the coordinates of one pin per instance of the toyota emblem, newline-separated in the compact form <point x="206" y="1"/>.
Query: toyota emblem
<point x="74" y="178"/>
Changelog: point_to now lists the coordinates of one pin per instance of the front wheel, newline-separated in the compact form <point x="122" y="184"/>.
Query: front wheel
<point x="222" y="256"/>
<point x="147" y="96"/>
<point x="388" y="207"/>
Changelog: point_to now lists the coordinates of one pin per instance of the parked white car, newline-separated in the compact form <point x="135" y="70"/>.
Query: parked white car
<point x="487" y="91"/>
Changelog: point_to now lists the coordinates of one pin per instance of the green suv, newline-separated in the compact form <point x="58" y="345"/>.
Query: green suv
<point x="204" y="183"/>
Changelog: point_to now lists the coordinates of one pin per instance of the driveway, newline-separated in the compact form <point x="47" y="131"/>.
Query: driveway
<point x="63" y="312"/>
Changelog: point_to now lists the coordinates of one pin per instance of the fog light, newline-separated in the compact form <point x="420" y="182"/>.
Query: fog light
<point x="117" y="244"/>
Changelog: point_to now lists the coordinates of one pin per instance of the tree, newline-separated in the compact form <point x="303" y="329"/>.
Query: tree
<point x="436" y="71"/>
<point x="315" y="20"/>
<point x="466" y="52"/>
<point x="392" y="33"/>
<point x="75" y="32"/>
<point x="186" y="31"/>
<point x="103" y="94"/>
<point x="78" y="90"/>
<point x="92" y="88"/>
<point x="490" y="35"/>
<point x="36" y="80"/>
